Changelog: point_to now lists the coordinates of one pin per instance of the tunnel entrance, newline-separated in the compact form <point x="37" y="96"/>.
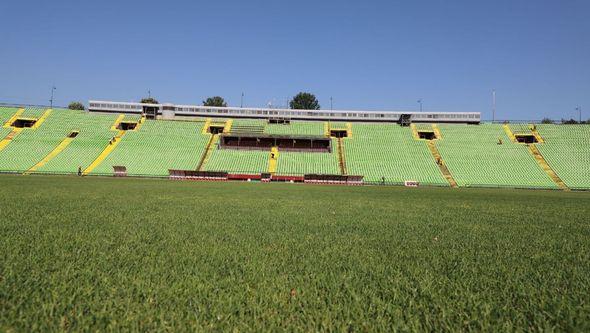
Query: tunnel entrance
<point x="127" y="126"/>
<point x="426" y="135"/>
<point x="24" y="123"/>
<point x="525" y="138"/>
<point x="216" y="129"/>
<point x="338" y="133"/>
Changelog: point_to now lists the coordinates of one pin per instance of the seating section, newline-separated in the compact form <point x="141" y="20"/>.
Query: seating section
<point x="5" y="115"/>
<point x="94" y="134"/>
<point x="297" y="128"/>
<point x="156" y="147"/>
<point x="389" y="151"/>
<point x="300" y="163"/>
<point x="337" y="124"/>
<point x="520" y="128"/>
<point x="567" y="151"/>
<point x="238" y="161"/>
<point x="36" y="112"/>
<point x="248" y="126"/>
<point x="32" y="145"/>
<point x="474" y="157"/>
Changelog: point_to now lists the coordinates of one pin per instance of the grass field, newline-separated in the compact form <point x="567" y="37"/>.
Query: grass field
<point x="128" y="254"/>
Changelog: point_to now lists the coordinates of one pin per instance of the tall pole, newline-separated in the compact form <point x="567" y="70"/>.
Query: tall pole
<point x="149" y="93"/>
<point x="579" y="109"/>
<point x="420" y="102"/>
<point x="242" y="101"/>
<point x="331" y="106"/>
<point x="493" y="105"/>
<point x="51" y="100"/>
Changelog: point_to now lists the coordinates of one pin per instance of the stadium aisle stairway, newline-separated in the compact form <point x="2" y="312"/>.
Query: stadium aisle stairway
<point x="211" y="144"/>
<point x="441" y="163"/>
<point x="341" y="157"/>
<point x="272" y="160"/>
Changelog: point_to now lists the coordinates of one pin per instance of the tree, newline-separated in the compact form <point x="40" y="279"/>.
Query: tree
<point x="215" y="101"/>
<point x="76" y="106"/>
<point x="547" y="121"/>
<point x="304" y="101"/>
<point x="149" y="100"/>
<point x="571" y="121"/>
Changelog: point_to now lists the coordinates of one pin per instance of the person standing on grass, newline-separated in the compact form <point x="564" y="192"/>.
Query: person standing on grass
<point x="79" y="171"/>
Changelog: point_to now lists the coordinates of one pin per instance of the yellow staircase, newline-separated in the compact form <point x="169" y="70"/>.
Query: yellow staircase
<point x="227" y="127"/>
<point x="509" y="132"/>
<point x="15" y="116"/>
<point x="273" y="159"/>
<point x="117" y="122"/>
<point x="545" y="166"/>
<point x="341" y="157"/>
<point x="441" y="164"/>
<point x="436" y="131"/>
<point x="205" y="129"/>
<point x="536" y="134"/>
<point x="139" y="123"/>
<point x="424" y="128"/>
<point x="349" y="130"/>
<point x="414" y="131"/>
<point x="109" y="148"/>
<point x="8" y="139"/>
<point x="42" y="119"/>
<point x="208" y="151"/>
<point x="62" y="145"/>
<point x="326" y="128"/>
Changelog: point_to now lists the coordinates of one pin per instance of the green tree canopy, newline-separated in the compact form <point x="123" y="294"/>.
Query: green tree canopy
<point x="547" y="121"/>
<point x="149" y="100"/>
<point x="304" y="101"/>
<point x="214" y="101"/>
<point x="76" y="106"/>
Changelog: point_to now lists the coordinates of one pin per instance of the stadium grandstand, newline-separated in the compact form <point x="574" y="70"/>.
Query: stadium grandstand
<point x="349" y="147"/>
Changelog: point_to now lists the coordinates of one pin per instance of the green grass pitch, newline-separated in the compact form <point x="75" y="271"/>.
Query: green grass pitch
<point x="105" y="254"/>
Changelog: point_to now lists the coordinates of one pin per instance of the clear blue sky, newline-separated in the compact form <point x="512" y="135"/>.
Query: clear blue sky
<point x="375" y="55"/>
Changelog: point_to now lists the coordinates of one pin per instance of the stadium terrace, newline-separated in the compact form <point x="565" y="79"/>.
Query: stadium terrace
<point x="329" y="147"/>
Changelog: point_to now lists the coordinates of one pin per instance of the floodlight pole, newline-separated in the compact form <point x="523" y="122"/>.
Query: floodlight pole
<point x="420" y="102"/>
<point x="331" y="108"/>
<point x="51" y="100"/>
<point x="579" y="109"/>
<point x="242" y="101"/>
<point x="493" y="105"/>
